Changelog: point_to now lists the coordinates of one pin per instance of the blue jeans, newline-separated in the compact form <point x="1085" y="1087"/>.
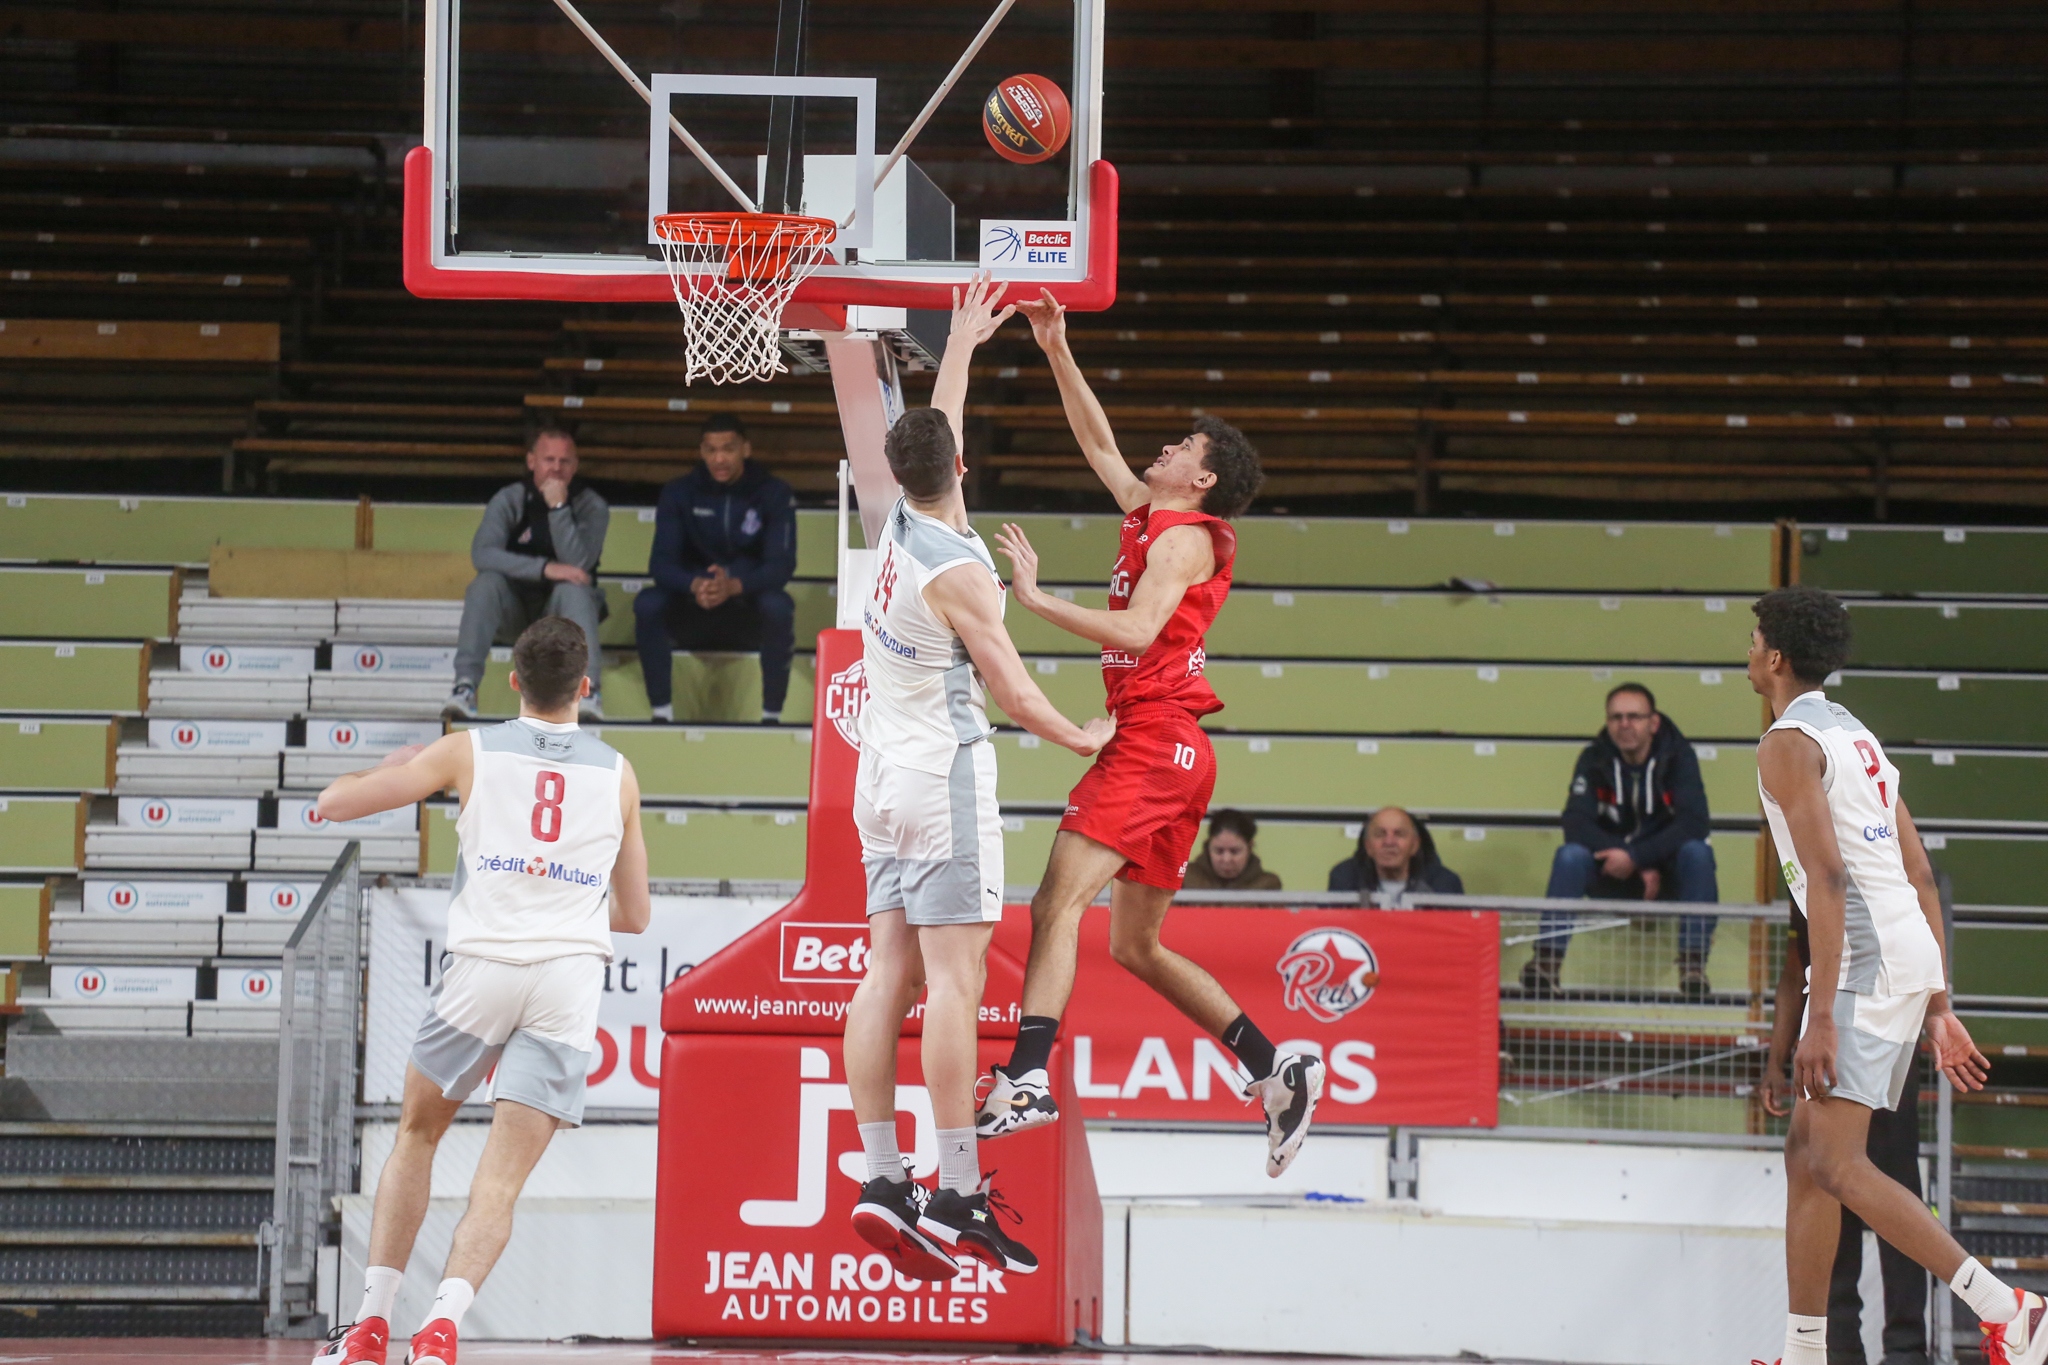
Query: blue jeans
<point x="763" y="622"/>
<point x="1688" y="876"/>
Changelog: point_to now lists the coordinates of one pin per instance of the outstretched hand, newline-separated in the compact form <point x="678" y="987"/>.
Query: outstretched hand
<point x="1048" y="319"/>
<point x="1955" y="1054"/>
<point x="973" y="319"/>
<point x="1012" y="541"/>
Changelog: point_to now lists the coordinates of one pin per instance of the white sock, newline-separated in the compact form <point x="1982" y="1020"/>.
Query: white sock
<point x="885" y="1158"/>
<point x="666" y="711"/>
<point x="451" y="1301"/>
<point x="380" y="1291"/>
<point x="1806" y="1340"/>
<point x="771" y="717"/>
<point x="1990" y="1298"/>
<point x="959" y="1161"/>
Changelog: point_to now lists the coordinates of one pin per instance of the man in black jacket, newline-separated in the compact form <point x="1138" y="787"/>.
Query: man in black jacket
<point x="1635" y="826"/>
<point x="1396" y="856"/>
<point x="724" y="549"/>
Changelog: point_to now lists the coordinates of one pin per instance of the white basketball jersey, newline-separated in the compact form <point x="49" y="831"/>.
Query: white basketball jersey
<point x="925" y="699"/>
<point x="1887" y="946"/>
<point x="535" y="844"/>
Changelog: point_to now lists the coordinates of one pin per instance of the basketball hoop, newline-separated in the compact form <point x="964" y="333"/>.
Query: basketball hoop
<point x="733" y="274"/>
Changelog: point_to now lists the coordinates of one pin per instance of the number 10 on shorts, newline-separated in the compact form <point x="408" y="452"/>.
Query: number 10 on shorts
<point x="1184" y="756"/>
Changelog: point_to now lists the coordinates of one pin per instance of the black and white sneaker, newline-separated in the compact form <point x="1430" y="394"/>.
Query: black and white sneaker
<point x="1290" y="1096"/>
<point x="886" y="1218"/>
<point x="973" y="1223"/>
<point x="1014" y="1103"/>
<point x="461" y="704"/>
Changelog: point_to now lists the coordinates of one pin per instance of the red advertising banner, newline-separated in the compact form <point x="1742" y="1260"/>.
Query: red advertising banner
<point x="1404" y="1008"/>
<point x="764" y="1246"/>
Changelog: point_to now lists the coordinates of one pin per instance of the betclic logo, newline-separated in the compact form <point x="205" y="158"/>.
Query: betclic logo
<point x="825" y="953"/>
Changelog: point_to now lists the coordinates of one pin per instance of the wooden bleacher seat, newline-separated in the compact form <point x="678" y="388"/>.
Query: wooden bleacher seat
<point x="181" y="345"/>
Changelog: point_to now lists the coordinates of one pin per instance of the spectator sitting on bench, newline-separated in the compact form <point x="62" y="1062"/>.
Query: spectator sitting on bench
<point x="535" y="554"/>
<point x="724" y="547"/>
<point x="1396" y="856"/>
<point x="1228" y="861"/>
<point x="1635" y="828"/>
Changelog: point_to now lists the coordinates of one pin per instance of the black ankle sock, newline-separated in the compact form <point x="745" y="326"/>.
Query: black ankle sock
<point x="1249" y="1046"/>
<point x="1035" y="1036"/>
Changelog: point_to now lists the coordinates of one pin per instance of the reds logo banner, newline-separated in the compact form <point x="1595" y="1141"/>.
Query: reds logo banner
<point x="1328" y="973"/>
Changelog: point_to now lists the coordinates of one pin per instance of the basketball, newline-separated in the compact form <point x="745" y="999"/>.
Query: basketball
<point x="1026" y="119"/>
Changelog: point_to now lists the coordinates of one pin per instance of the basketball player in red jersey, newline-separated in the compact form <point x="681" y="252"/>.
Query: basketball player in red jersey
<point x="1132" y="821"/>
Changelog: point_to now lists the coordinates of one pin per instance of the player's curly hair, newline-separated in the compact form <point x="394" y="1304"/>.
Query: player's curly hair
<point x="1235" y="463"/>
<point x="1809" y="627"/>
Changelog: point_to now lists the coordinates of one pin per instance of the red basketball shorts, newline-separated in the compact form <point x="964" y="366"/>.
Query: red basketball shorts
<point x="1147" y="793"/>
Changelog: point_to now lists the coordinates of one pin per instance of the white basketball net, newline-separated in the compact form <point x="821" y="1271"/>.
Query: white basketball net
<point x="733" y="275"/>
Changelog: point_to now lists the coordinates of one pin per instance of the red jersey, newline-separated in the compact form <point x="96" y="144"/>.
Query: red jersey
<point x="1171" y="670"/>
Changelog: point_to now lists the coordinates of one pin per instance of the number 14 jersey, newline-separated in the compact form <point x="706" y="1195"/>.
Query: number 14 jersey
<point x="535" y="844"/>
<point x="1887" y="946"/>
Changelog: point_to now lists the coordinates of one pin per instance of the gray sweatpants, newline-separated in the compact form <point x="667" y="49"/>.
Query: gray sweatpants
<point x="496" y="608"/>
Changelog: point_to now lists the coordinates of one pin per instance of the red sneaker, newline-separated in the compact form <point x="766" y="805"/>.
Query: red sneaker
<point x="357" y="1343"/>
<point x="435" y="1341"/>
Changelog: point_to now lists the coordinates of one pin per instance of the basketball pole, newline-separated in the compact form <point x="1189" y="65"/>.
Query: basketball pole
<point x="619" y="65"/>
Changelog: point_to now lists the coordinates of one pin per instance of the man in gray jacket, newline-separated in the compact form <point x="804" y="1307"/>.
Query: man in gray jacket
<point x="536" y="555"/>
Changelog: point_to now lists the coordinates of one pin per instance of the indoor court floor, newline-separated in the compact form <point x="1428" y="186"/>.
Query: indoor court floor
<point x="202" y="1351"/>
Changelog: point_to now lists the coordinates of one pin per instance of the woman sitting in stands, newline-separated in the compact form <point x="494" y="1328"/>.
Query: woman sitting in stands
<point x="1227" y="862"/>
<point x="1396" y="855"/>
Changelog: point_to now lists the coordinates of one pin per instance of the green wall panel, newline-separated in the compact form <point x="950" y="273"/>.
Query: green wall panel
<point x="89" y="677"/>
<point x="1925" y="559"/>
<point x="86" y="604"/>
<point x="1953" y="708"/>
<point x="114" y="530"/>
<point x="1972" y="786"/>
<point x="21" y="920"/>
<point x="54" y="755"/>
<point x="1950" y="636"/>
<point x="38" y="834"/>
<point x="2005" y="959"/>
<point x="1994" y="869"/>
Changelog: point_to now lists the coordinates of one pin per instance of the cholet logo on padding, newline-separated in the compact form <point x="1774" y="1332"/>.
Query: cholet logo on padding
<point x="1327" y="973"/>
<point x="845" y="693"/>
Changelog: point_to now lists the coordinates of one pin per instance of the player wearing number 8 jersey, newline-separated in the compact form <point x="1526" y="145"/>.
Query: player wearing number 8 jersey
<point x="549" y="863"/>
<point x="1877" y="981"/>
<point x="1131" y="822"/>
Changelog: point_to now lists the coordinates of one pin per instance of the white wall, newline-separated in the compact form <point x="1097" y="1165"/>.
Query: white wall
<point x="1582" y="1251"/>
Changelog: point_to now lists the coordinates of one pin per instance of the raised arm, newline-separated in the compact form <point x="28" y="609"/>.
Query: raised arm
<point x="1182" y="557"/>
<point x="405" y="777"/>
<point x="631" y="907"/>
<point x="1048" y="319"/>
<point x="973" y="323"/>
<point x="1953" y="1050"/>
<point x="970" y="602"/>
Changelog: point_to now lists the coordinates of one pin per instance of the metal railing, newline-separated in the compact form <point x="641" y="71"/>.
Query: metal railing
<point x="319" y="1012"/>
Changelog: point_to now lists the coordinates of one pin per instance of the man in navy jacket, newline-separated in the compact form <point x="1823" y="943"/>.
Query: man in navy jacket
<point x="1635" y="827"/>
<point x="724" y="549"/>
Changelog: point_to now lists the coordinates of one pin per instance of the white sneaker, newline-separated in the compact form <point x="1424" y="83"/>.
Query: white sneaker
<point x="461" y="704"/>
<point x="1014" y="1103"/>
<point x="2024" y="1340"/>
<point x="1290" y="1095"/>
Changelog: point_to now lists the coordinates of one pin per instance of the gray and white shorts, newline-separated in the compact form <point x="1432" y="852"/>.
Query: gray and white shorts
<point x="932" y="844"/>
<point x="535" y="1022"/>
<point x="1877" y="1038"/>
